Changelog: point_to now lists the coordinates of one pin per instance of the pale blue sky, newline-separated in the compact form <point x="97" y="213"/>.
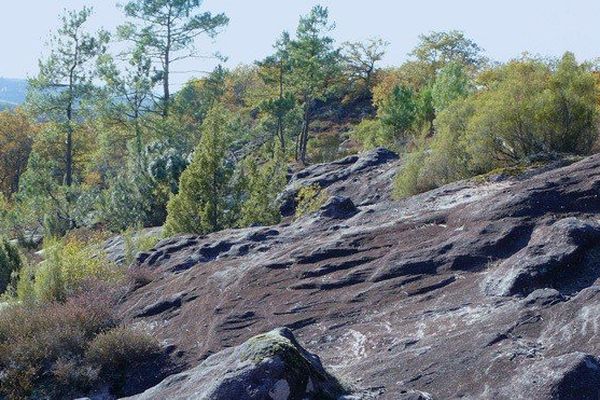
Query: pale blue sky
<point x="504" y="28"/>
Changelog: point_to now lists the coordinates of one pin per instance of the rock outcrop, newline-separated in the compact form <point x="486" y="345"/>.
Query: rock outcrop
<point x="481" y="289"/>
<point x="269" y="366"/>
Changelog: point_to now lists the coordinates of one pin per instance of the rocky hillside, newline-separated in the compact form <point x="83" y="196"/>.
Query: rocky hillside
<point x="484" y="289"/>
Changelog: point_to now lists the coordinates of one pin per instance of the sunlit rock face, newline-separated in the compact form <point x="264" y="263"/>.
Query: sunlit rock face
<point x="482" y="289"/>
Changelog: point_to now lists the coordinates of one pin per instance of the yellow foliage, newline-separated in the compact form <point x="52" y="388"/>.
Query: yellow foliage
<point x="16" y="137"/>
<point x="309" y="199"/>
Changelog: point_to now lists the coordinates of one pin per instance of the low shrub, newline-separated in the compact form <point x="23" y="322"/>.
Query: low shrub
<point x="67" y="265"/>
<point x="42" y="346"/>
<point x="119" y="352"/>
<point x="309" y="199"/>
<point x="64" y="350"/>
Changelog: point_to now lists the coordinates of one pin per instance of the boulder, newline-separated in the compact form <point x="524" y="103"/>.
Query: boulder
<point x="271" y="366"/>
<point x="338" y="207"/>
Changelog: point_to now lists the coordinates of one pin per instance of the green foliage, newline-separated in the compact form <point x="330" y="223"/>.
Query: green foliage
<point x="128" y="91"/>
<point x="571" y="107"/>
<point x="451" y="83"/>
<point x="360" y="60"/>
<point x="528" y="108"/>
<point x="409" y="179"/>
<point x="63" y="87"/>
<point x="126" y="202"/>
<point x="398" y="114"/>
<point x="198" y="96"/>
<point x="11" y="264"/>
<point x="438" y="49"/>
<point x="206" y="186"/>
<point x="43" y="202"/>
<point x="314" y="63"/>
<point x="166" y="162"/>
<point x="310" y="199"/>
<point x="67" y="266"/>
<point x="370" y="134"/>
<point x="169" y="29"/>
<point x="265" y="183"/>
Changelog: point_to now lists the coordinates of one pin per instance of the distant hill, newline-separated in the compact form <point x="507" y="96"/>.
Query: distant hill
<point x="12" y="92"/>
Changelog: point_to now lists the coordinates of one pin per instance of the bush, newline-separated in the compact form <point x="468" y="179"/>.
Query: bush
<point x="526" y="109"/>
<point x="10" y="265"/>
<point x="42" y="346"/>
<point x="264" y="184"/>
<point x="67" y="266"/>
<point x="119" y="352"/>
<point x="63" y="350"/>
<point x="409" y="179"/>
<point x="309" y="199"/>
<point x="369" y="134"/>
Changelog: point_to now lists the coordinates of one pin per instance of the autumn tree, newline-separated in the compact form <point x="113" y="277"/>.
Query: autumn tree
<point x="64" y="83"/>
<point x="169" y="29"/>
<point x="16" y="139"/>
<point x="437" y="49"/>
<point x="360" y="60"/>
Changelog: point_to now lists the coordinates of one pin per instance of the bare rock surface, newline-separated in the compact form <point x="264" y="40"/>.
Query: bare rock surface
<point x="476" y="290"/>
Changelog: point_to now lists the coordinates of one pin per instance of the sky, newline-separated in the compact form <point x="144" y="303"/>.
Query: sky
<point x="504" y="28"/>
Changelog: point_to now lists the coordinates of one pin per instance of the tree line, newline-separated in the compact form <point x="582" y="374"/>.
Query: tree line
<point x="102" y="140"/>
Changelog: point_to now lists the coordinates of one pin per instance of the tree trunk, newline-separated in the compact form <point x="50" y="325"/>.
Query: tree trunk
<point x="138" y="139"/>
<point x="305" y="131"/>
<point x="167" y="68"/>
<point x="279" y="114"/>
<point x="166" y="91"/>
<point x="69" y="149"/>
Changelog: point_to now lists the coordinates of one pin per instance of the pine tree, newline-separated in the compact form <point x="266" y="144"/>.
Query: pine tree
<point x="265" y="182"/>
<point x="202" y="205"/>
<point x="314" y="65"/>
<point x="65" y="78"/>
<point x="169" y="28"/>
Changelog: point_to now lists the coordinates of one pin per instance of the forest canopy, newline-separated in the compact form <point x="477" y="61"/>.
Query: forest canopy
<point x="103" y="140"/>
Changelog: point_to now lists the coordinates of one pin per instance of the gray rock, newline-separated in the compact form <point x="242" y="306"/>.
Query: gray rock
<point x="115" y="246"/>
<point x="554" y="250"/>
<point x="574" y="376"/>
<point x="543" y="298"/>
<point x="336" y="174"/>
<point x="269" y="366"/>
<point x="338" y="207"/>
<point x="392" y="297"/>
